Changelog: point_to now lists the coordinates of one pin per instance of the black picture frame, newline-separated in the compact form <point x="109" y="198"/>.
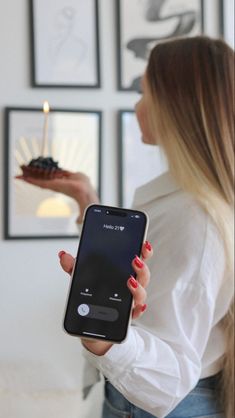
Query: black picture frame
<point x="133" y="52"/>
<point x="74" y="140"/>
<point x="63" y="53"/>
<point x="221" y="18"/>
<point x="138" y="163"/>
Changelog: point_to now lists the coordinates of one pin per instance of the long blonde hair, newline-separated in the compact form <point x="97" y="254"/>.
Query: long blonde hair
<point x="191" y="87"/>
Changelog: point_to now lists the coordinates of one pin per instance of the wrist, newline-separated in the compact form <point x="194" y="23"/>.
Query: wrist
<point x="99" y="348"/>
<point x="83" y="201"/>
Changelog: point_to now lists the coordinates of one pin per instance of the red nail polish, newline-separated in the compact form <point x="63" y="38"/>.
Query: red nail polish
<point x="61" y="253"/>
<point x="138" y="262"/>
<point x="133" y="282"/>
<point x="148" y="246"/>
<point x="143" y="308"/>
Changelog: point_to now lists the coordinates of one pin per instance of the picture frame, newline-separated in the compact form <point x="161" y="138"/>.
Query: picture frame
<point x="74" y="141"/>
<point x="226" y="14"/>
<point x="141" y="24"/>
<point x="139" y="163"/>
<point x="65" y="43"/>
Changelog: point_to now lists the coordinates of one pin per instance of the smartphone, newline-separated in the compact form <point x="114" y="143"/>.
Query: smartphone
<point x="99" y="303"/>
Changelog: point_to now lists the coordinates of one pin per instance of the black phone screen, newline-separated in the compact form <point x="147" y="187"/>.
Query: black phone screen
<point x="99" y="301"/>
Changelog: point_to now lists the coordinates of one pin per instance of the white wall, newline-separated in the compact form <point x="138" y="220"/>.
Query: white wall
<point x="40" y="366"/>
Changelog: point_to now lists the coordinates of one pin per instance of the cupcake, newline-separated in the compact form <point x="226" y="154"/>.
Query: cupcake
<point x="43" y="168"/>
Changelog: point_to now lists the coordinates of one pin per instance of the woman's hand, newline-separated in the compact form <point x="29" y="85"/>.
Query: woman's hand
<point x="136" y="286"/>
<point x="74" y="185"/>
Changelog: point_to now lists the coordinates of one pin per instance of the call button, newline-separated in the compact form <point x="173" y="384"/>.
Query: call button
<point x="83" y="309"/>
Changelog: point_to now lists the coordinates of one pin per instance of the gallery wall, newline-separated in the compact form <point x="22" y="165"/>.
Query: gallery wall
<point x="40" y="366"/>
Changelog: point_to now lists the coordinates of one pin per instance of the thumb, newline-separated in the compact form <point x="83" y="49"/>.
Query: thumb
<point x="66" y="261"/>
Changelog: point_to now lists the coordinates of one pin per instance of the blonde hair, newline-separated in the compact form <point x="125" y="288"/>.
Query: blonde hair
<point x="190" y="87"/>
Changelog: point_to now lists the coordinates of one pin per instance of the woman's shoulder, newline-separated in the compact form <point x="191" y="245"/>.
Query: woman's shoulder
<point x="181" y="224"/>
<point x="179" y="211"/>
<point x="163" y="198"/>
<point x="187" y="244"/>
<point x="178" y="219"/>
<point x="190" y="219"/>
<point x="183" y="201"/>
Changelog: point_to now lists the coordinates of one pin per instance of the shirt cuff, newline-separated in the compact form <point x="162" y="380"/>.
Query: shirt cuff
<point x="118" y="357"/>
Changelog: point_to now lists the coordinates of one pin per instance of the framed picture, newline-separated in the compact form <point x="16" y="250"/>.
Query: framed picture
<point x="74" y="141"/>
<point x="139" y="163"/>
<point x="65" y="43"/>
<point x="227" y="21"/>
<point x="143" y="23"/>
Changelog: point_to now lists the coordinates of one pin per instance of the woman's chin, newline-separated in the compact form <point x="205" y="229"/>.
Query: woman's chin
<point x="147" y="141"/>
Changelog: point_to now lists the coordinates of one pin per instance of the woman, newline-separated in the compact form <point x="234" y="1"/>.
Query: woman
<point x="180" y="350"/>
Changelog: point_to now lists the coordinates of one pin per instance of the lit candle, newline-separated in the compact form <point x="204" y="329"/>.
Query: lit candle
<point x="46" y="110"/>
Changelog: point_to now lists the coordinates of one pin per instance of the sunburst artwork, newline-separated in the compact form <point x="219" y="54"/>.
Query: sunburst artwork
<point x="74" y="142"/>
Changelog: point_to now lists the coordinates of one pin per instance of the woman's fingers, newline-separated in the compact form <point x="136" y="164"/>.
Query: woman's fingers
<point x="137" y="286"/>
<point x="59" y="184"/>
<point x="138" y="291"/>
<point x="66" y="261"/>
<point x="147" y="250"/>
<point x="139" y="296"/>
<point x="75" y="185"/>
<point x="138" y="310"/>
<point x="56" y="184"/>
<point x="142" y="271"/>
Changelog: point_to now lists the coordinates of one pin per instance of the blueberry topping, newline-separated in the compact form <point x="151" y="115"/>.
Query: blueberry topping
<point x="44" y="163"/>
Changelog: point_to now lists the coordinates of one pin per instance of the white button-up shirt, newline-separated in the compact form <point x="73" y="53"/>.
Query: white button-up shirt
<point x="178" y="340"/>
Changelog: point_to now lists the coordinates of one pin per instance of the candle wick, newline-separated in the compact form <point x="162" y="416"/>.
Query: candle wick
<point x="45" y="130"/>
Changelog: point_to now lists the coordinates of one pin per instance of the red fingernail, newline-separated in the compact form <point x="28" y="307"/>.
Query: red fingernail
<point x="138" y="262"/>
<point x="148" y="246"/>
<point x="143" y="308"/>
<point x="70" y="271"/>
<point x="133" y="282"/>
<point x="61" y="253"/>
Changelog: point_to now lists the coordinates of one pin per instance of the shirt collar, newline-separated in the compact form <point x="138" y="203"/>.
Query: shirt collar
<point x="156" y="188"/>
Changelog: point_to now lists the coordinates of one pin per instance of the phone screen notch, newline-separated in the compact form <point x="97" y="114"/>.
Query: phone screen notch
<point x="116" y="213"/>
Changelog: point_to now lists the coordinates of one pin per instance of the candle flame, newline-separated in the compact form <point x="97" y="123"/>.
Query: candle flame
<point x="46" y="107"/>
